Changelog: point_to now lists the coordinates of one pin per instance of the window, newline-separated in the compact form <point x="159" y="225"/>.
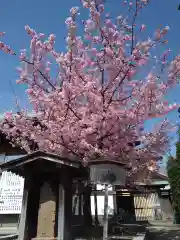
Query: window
<point x="2" y="158"/>
<point x="12" y="157"/>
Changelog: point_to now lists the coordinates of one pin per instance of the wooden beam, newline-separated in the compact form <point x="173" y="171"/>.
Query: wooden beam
<point x="22" y="226"/>
<point x="47" y="211"/>
<point x="61" y="212"/>
<point x="65" y="208"/>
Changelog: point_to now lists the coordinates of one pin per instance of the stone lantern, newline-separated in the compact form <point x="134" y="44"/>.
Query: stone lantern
<point x="107" y="172"/>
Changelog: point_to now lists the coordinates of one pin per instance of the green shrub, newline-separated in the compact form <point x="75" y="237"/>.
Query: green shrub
<point x="173" y="170"/>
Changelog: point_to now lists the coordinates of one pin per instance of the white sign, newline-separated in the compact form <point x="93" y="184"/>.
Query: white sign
<point x="11" y="193"/>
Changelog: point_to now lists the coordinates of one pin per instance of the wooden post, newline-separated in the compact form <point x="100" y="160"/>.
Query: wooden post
<point x="96" y="206"/>
<point x="47" y="211"/>
<point x="80" y="205"/>
<point x="114" y="200"/>
<point x="61" y="212"/>
<point x="105" y="228"/>
<point x="65" y="209"/>
<point x="22" y="225"/>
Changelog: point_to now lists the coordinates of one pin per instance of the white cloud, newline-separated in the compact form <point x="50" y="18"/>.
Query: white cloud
<point x="30" y="114"/>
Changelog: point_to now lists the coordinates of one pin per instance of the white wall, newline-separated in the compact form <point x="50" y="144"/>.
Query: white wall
<point x="100" y="205"/>
<point x="100" y="202"/>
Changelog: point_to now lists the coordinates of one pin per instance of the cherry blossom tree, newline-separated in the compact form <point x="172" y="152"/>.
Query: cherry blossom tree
<point x="96" y="106"/>
<point x="5" y="48"/>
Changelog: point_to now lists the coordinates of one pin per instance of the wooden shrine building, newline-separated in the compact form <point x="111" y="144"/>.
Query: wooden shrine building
<point x="47" y="201"/>
<point x="146" y="200"/>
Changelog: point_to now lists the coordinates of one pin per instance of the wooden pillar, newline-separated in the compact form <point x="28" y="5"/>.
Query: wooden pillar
<point x="61" y="211"/>
<point x="29" y="211"/>
<point x="33" y="207"/>
<point x="166" y="207"/>
<point x="80" y="205"/>
<point x="65" y="209"/>
<point x="47" y="212"/>
<point x="105" y="227"/>
<point x="22" y="225"/>
<point x="114" y="200"/>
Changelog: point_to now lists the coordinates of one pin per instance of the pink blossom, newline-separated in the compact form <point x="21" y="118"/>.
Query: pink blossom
<point x="30" y="31"/>
<point x="8" y="115"/>
<point x="90" y="25"/>
<point x="69" y="21"/>
<point x="74" y="10"/>
<point x="29" y="91"/>
<point x="89" y="99"/>
<point x="143" y="27"/>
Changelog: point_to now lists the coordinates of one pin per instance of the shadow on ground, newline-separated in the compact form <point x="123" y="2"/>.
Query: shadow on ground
<point x="163" y="234"/>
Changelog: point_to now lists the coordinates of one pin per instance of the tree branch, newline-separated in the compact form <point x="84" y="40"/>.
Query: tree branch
<point x="42" y="74"/>
<point x="132" y="26"/>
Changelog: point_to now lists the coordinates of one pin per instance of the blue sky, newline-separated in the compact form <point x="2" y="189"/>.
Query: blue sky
<point x="49" y="16"/>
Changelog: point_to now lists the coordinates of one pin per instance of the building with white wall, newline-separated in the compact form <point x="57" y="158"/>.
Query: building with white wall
<point x="11" y="193"/>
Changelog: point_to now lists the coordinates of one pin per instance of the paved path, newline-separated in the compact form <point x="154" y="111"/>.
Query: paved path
<point x="166" y="232"/>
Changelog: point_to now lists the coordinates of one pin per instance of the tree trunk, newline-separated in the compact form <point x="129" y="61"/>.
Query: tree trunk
<point x="87" y="205"/>
<point x="96" y="220"/>
<point x="105" y="227"/>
